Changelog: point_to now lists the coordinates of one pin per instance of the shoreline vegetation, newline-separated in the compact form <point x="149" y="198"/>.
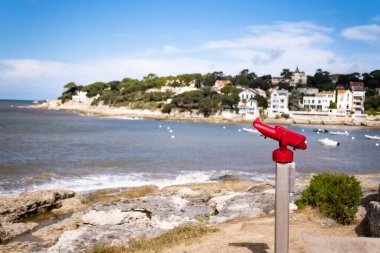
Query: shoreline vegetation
<point x="119" y="112"/>
<point x="208" y="217"/>
<point x="216" y="97"/>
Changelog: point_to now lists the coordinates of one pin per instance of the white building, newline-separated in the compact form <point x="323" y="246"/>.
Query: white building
<point x="344" y="101"/>
<point x="320" y="102"/>
<point x="248" y="110"/>
<point x="247" y="94"/>
<point x="308" y="91"/>
<point x="80" y="96"/>
<point x="298" y="77"/>
<point x="279" y="101"/>
<point x="358" y="101"/>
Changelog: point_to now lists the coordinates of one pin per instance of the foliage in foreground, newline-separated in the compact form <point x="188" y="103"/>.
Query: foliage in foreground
<point x="182" y="234"/>
<point x="336" y="195"/>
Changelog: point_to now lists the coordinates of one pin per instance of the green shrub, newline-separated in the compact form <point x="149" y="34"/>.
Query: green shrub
<point x="336" y="195"/>
<point x="285" y="116"/>
<point x="167" y="108"/>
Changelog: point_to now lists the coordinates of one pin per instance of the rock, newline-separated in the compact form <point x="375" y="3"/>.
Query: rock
<point x="51" y="233"/>
<point x="14" y="209"/>
<point x="187" y="192"/>
<point x="292" y="207"/>
<point x="70" y="205"/>
<point x="10" y="230"/>
<point x="19" y="247"/>
<point x="121" y="220"/>
<point x="374" y="218"/>
<point x="360" y="214"/>
<point x="111" y="217"/>
<point x="241" y="205"/>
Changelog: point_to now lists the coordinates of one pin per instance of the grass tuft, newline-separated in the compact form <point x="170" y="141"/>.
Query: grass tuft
<point x="174" y="237"/>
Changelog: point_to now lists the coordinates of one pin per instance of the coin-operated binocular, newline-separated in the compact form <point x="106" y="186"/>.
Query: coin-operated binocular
<point x="285" y="138"/>
<point x="285" y="177"/>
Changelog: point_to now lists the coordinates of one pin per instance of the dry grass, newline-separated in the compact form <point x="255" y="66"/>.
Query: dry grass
<point x="181" y="235"/>
<point x="112" y="194"/>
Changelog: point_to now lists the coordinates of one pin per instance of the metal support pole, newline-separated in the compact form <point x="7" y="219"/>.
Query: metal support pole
<point x="282" y="208"/>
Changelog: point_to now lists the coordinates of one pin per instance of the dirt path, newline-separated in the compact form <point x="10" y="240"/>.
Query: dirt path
<point x="257" y="235"/>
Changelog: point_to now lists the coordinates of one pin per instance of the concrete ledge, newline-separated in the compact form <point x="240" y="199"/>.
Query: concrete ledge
<point x="339" y="244"/>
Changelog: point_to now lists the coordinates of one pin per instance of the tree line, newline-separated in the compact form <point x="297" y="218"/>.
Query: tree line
<point x="132" y="92"/>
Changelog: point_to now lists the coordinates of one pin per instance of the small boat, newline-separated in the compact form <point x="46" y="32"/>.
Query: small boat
<point x="320" y="130"/>
<point x="339" y="132"/>
<point x="36" y="102"/>
<point x="329" y="142"/>
<point x="250" y="130"/>
<point x="372" y="137"/>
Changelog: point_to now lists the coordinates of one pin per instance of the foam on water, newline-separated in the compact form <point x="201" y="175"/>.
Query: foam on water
<point x="102" y="181"/>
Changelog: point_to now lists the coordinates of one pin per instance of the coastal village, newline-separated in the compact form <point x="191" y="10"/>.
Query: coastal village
<point x="289" y="99"/>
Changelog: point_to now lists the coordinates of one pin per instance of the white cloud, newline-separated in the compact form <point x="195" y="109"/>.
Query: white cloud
<point x="367" y="33"/>
<point x="262" y="49"/>
<point x="269" y="48"/>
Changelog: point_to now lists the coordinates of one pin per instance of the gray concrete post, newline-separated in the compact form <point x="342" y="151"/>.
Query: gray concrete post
<point x="282" y="208"/>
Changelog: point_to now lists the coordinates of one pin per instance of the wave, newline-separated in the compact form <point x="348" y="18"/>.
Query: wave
<point x="93" y="182"/>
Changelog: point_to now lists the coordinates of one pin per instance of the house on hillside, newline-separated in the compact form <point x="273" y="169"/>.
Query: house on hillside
<point x="308" y="91"/>
<point x="358" y="101"/>
<point x="357" y="86"/>
<point x="80" y="96"/>
<point x="320" y="102"/>
<point x="344" y="100"/>
<point x="247" y="94"/>
<point x="298" y="77"/>
<point x="277" y="79"/>
<point x="219" y="85"/>
<point x="249" y="109"/>
<point x="279" y="101"/>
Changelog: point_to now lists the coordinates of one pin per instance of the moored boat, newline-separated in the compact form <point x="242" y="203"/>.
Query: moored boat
<point x="320" y="130"/>
<point x="372" y="137"/>
<point x="329" y="142"/>
<point x="250" y="130"/>
<point x="339" y="132"/>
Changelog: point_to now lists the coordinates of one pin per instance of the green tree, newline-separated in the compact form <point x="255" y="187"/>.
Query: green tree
<point x="261" y="101"/>
<point x="286" y="73"/>
<point x="372" y="103"/>
<point x="294" y="99"/>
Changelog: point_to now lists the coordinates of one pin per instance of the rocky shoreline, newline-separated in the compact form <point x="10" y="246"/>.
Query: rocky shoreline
<point x="116" y="216"/>
<point x="224" y="117"/>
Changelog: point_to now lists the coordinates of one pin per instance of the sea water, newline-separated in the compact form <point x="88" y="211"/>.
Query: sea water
<point x="45" y="149"/>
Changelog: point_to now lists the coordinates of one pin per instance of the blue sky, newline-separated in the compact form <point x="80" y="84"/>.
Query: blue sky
<point x="45" y="43"/>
